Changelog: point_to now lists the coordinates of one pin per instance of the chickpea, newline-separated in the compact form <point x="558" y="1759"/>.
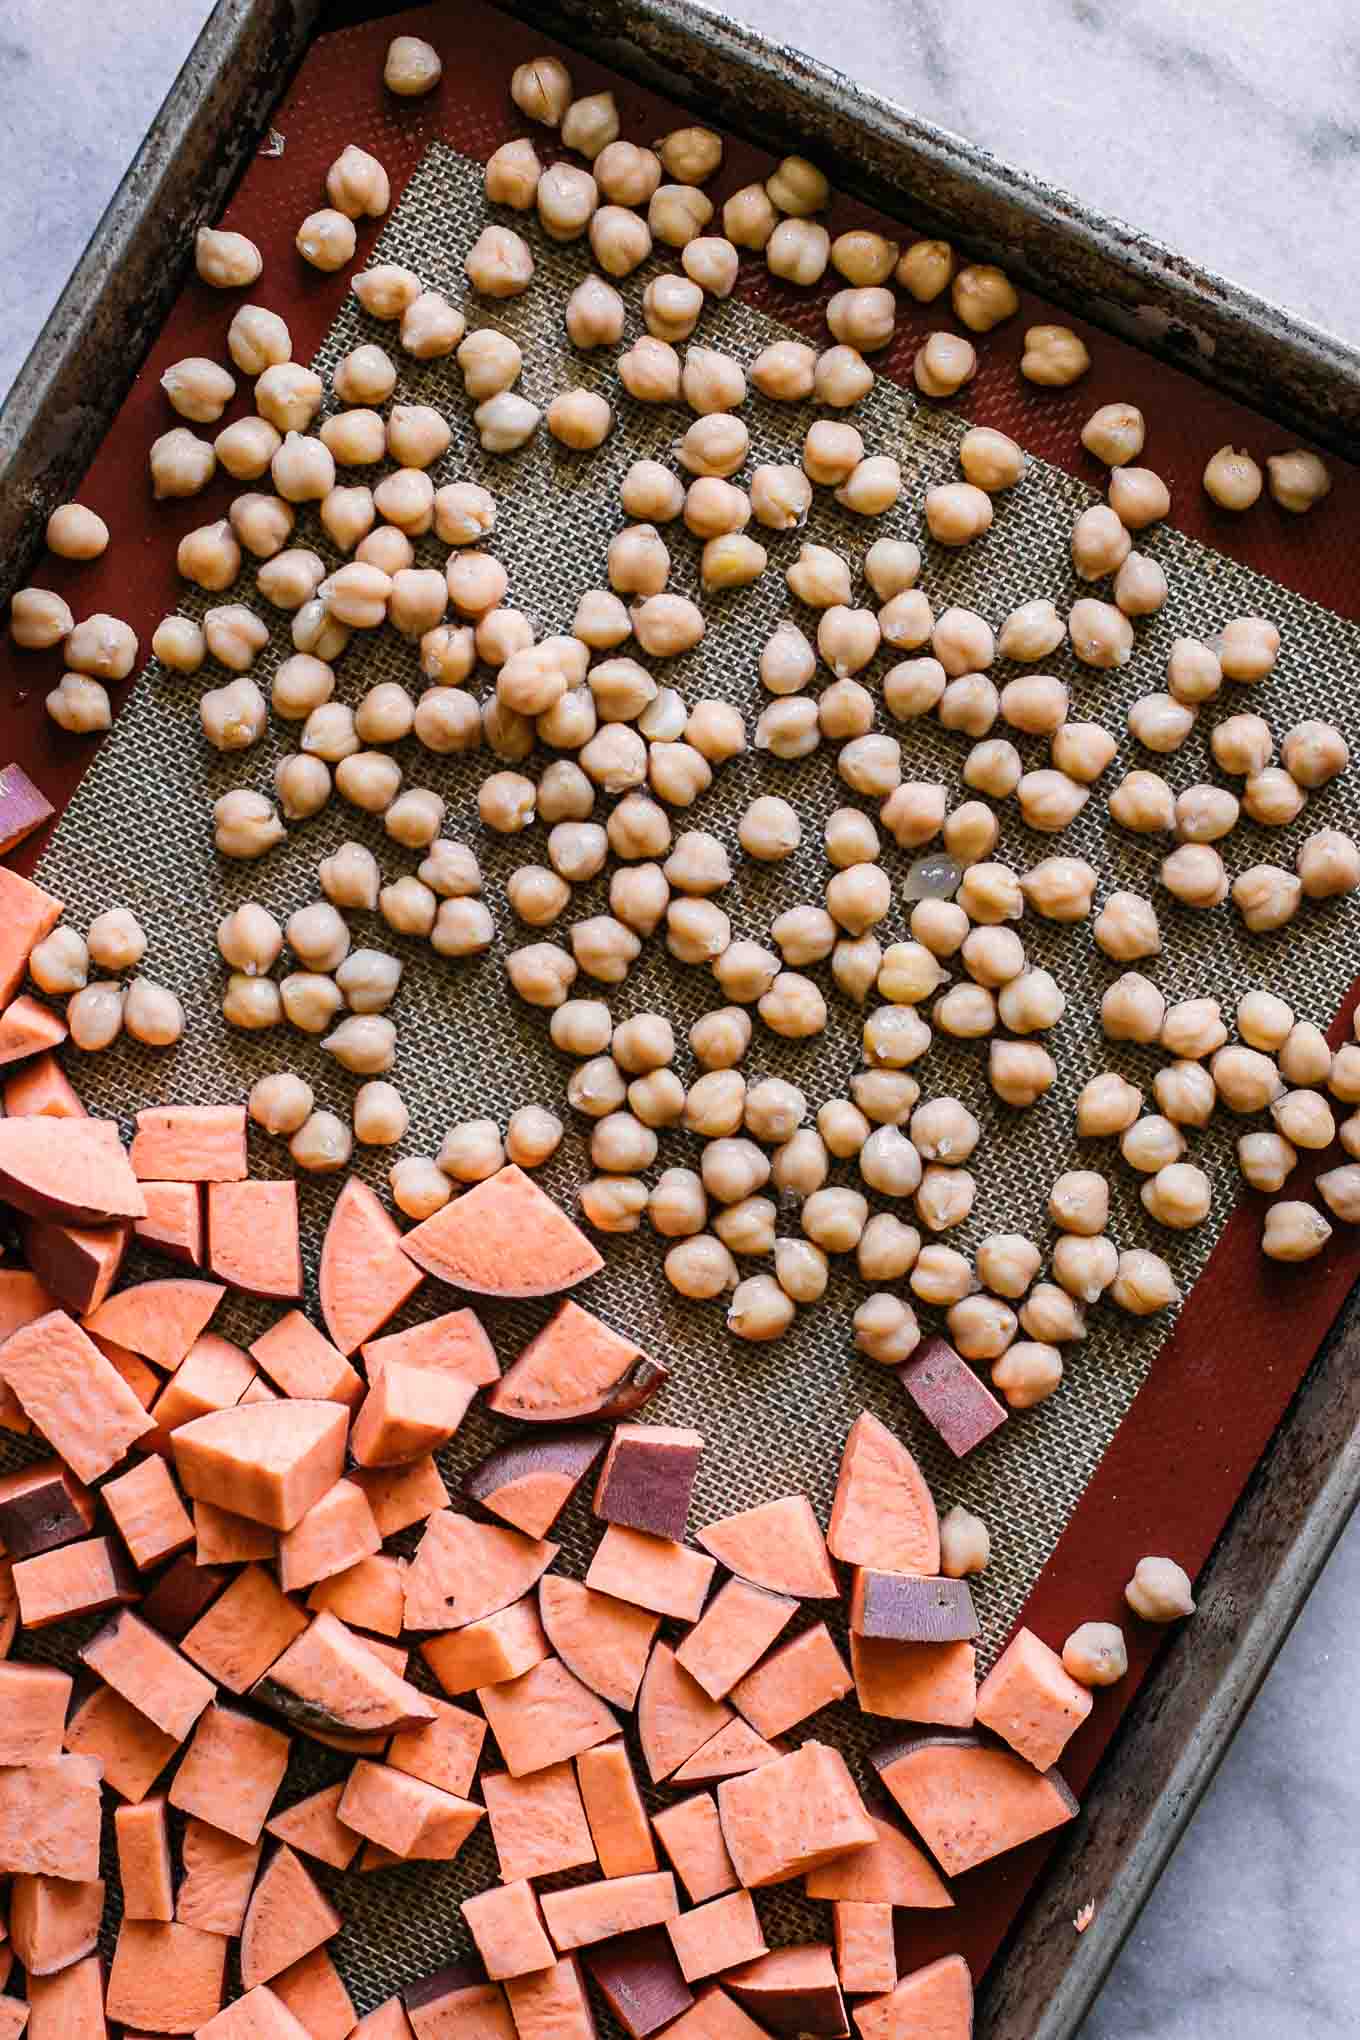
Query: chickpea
<point x="1177" y="1196"/>
<point x="798" y="251"/>
<point x="885" y="1328"/>
<point x="1100" y="544"/>
<point x="310" y="1001"/>
<point x="1100" y="635"/>
<point x="536" y="895"/>
<point x="1265" y="1160"/>
<point x="582" y="1027"/>
<point x="759" y="1309"/>
<point x="1247" y="649"/>
<point x="988" y="894"/>
<point x="74" y="531"/>
<point x="1328" y="864"/>
<point x="605" y="948"/>
<point x="639" y="897"/>
<point x="1051" y="1315"/>
<point x="1140" y="586"/>
<point x="890" y="1163"/>
<point x="627" y="174"/>
<point x="863" y="317"/>
<point x="926" y="269"/>
<point x="250" y="1003"/>
<point x="721" y="1038"/>
<point x="566" y="198"/>
<point x="1343" y="1079"/>
<point x="894" y="1037"/>
<point x="1020" y="1072"/>
<point x="957" y="512"/>
<point x="407" y="906"/>
<point x="94" y="1016"/>
<point x="1232" y="478"/>
<point x="1185" y="1092"/>
<point x="1054" y="357"/>
<point x="1193" y="1028"/>
<point x="289" y="395"/>
<point x="872" y="764"/>
<point x="368" y="780"/>
<point x="941" y="1275"/>
<point x="1294" y="1231"/>
<point x="1060" y="888"/>
<point x="1314" y="753"/>
<point x="38" y="619"/>
<point x="60" y="963"/>
<point x="1126" y="928"/>
<point x="793" y="1007"/>
<point x="349" y="877"/>
<point x="1049" y="800"/>
<point x="1348" y="1133"/>
<point x="226" y="260"/>
<point x="1194" y="874"/>
<point x="329" y="733"/>
<point x="1339" y="1190"/>
<point x="658" y="1099"/>
<point x="715" y="1105"/>
<point x="245" y="449"/>
<point x="369" y="979"/>
<point x="1107" y="1104"/>
<point x="841" y="377"/>
<point x="303" y="470"/>
<point x="885" y="1095"/>
<point x="281" y="1102"/>
<point x="677" y="214"/>
<point x="1298" y="479"/>
<point x="621" y="1145"/>
<point x="1085" y="1267"/>
<point x="749" y="217"/>
<point x="785" y="371"/>
<point x="993" y="956"/>
<point x="245" y="824"/>
<point x="701" y="1268"/>
<point x="364" y="1044"/>
<point x="1032" y="1002"/>
<point x="1144" y="1284"/>
<point x="181" y="464"/>
<point x="1304" y="1118"/>
<point x="991" y="460"/>
<point x="1028" y="1373"/>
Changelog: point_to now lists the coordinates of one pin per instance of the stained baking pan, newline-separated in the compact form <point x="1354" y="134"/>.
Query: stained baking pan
<point x="1297" y="1432"/>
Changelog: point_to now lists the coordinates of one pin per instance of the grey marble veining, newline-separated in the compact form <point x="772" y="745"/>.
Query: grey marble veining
<point x="1230" y="129"/>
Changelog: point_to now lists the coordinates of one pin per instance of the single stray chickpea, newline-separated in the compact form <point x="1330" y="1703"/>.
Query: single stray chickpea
<point x="1159" y="1591"/>
<point x="412" y="67"/>
<point x="226" y="260"/>
<point x="1054" y="357"/>
<point x="1144" y="1284"/>
<point x="1293" y="1231"/>
<point x="75" y="532"/>
<point x="1232" y="478"/>
<point x="965" y="1544"/>
<point x="1095" y="1654"/>
<point x="1297" y="479"/>
<point x="983" y="296"/>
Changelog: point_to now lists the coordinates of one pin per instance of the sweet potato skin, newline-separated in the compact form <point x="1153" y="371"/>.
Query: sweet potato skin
<point x="576" y="1370"/>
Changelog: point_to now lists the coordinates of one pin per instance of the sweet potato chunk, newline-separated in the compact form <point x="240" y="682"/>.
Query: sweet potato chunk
<point x="969" y="1802"/>
<point x="78" y="1263"/>
<point x="71" y="1170"/>
<point x="456" y="2000"/>
<point x="528" y="1485"/>
<point x="166" y="1979"/>
<point x="53" y="1922"/>
<point x="367" y="1594"/>
<point x="640" y="1980"/>
<point x="261" y="2015"/>
<point x="792" y="1990"/>
<point x="231" y="1771"/>
<point x="182" y="1593"/>
<point x="486" y="1653"/>
<point x="414" y="1820"/>
<point x="49" y="1819"/>
<point x="551" y="2004"/>
<point x="131" y="1750"/>
<point x="68" y="1390"/>
<point x="666" y="1578"/>
<point x="402" y="1495"/>
<point x="314" y="1993"/>
<point x="455" y="1343"/>
<point x="691" y="1834"/>
<point x="304" y="1364"/>
<point x="27" y="913"/>
<point x="951" y="1398"/>
<point x="903" y="1608"/>
<point x="603" y="1640"/>
<point x="796" y="1680"/>
<point x="675" y="1717"/>
<point x="253" y="1239"/>
<point x="504" y="1237"/>
<point x="23" y="808"/>
<point x="77" y="1579"/>
<point x="41" y="1089"/>
<point x="891" y="1871"/>
<point x="313" y="1827"/>
<point x="618" y="1819"/>
<point x="191" y="1144"/>
<point x="936" y="2000"/>
<point x="883" y="1514"/>
<point x="213" y="1375"/>
<point x="144" y="1871"/>
<point x="41" y="1507"/>
<point x="23" y="1299"/>
<point x="733" y="1634"/>
<point x="387" y="2022"/>
<point x="33" y="1703"/>
<point x="173" y="1223"/>
<point x="150" y="1674"/>
<point x="648" y="1477"/>
<point x="931" y="1682"/>
<point x="28" y="1028"/>
<point x="537" y="1823"/>
<point x="223" y="1539"/>
<point x="69" y="2005"/>
<point x="408" y="1413"/>
<point x="576" y="1368"/>
<point x="718" y="1935"/>
<point x="330" y="1681"/>
<point x="716" y="2016"/>
<point x="148" y="1513"/>
<point x="614" y="1905"/>
<point x="463" y="1570"/>
<point x="544" y="1716"/>
<point x="161" y="1320"/>
<point x="219" y="1870"/>
<point x="287" y="1917"/>
<point x="734" y="1749"/>
<point x="267" y="1461"/>
<point x="365" y="1277"/>
<point x="1030" y="1700"/>
<point x="866" y="1952"/>
<point x="778" y="1545"/>
<point x="335" y="1533"/>
<point x="791" y="1816"/>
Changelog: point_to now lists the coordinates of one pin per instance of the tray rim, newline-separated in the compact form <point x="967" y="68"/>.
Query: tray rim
<point x="1308" y="1482"/>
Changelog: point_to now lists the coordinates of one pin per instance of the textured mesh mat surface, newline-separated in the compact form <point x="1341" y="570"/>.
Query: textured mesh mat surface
<point x="138" y="833"/>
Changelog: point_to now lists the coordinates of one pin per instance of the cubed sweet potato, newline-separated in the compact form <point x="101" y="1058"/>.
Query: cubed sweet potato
<point x="41" y="1089"/>
<point x="444" y="1752"/>
<point x="675" y="1717"/>
<point x="304" y="1364"/>
<point x="614" y="1808"/>
<point x="365" y="1595"/>
<point x="545" y="1716"/>
<point x="791" y="1816"/>
<point x="734" y="1749"/>
<point x="691" y="1834"/>
<point x="43" y="1506"/>
<point x="49" y="1819"/>
<point x="969" y="1802"/>
<point x="575" y="1369"/>
<point x="891" y="1871"/>
<point x="70" y="1392"/>
<point x="131" y="1750"/>
<point x="262" y="2015"/>
<point x="166" y="1978"/>
<point x="795" y="1680"/>
<point x="733" y="1633"/>
<point x="937" y="2000"/>
<point x="191" y="1144"/>
<point x="149" y="1513"/>
<point x="929" y="1682"/>
<point x="137" y="1662"/>
<point x="336" y="1532"/>
<point x="485" y="1653"/>
<point x="365" y="1277"/>
<point x="792" y="1990"/>
<point x="69" y="2005"/>
<point x="54" y="1922"/>
<point x="639" y="1978"/>
<point x="160" y="1320"/>
<point x="552" y="2003"/>
<point x="313" y="1827"/>
<point x="287" y="1917"/>
<point x="315" y="1994"/>
<point x="219" y="1871"/>
<point x="173" y="1224"/>
<point x="717" y="1936"/>
<point x="603" y="1640"/>
<point x="267" y="1461"/>
<point x="455" y="1343"/>
<point x="330" y="1682"/>
<point x="507" y="1926"/>
<point x="23" y="807"/>
<point x="144" y="1869"/>
<point x="27" y="1027"/>
<point x="27" y="913"/>
<point x="415" y="1820"/>
<point x="402" y="1495"/>
<point x="866" y="1951"/>
<point x="71" y="1170"/>
<point x="408" y="1413"/>
<point x="33" y="1703"/>
<point x="463" y="1570"/>
<point x="1031" y="1701"/>
<point x="253" y="1241"/>
<point x="538" y="1823"/>
<point x="231" y="1770"/>
<point x="664" y="1577"/>
<point x="778" y="1545"/>
<point x="529" y="1484"/>
<point x="76" y="1579"/>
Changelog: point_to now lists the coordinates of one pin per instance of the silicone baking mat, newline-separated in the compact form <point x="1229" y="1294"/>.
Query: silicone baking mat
<point x="1149" y="1440"/>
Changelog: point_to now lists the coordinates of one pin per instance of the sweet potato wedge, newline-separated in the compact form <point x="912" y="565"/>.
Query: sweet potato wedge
<point x="365" y="1277"/>
<point x="778" y="1545"/>
<point x="27" y="913"/>
<point x="618" y="1819"/>
<point x="33" y="1703"/>
<point x="219" y="1871"/>
<point x="792" y="1990"/>
<point x="457" y="2000"/>
<point x="267" y="1461"/>
<point x="866" y="1951"/>
<point x="329" y="1681"/>
<point x="41" y="1507"/>
<point x="70" y="1170"/>
<point x="412" y="1819"/>
<point x="605" y="1641"/>
<point x="23" y="807"/>
<point x="576" y="1369"/>
<point x="49" y="1819"/>
<point x="303" y="1364"/>
<point x="315" y="1994"/>
<point x="485" y="1653"/>
<point x="23" y="1300"/>
<point x="543" y="1717"/>
<point x="367" y="1594"/>
<point x="504" y="1237"/>
<point x="220" y="1538"/>
<point x="144" y="1870"/>
<point x="675" y="1717"/>
<point x="690" y="1832"/>
<point x="796" y="1680"/>
<point x="253" y="1242"/>
<point x="182" y="1593"/>
<point x="528" y="1485"/>
<point x="718" y="1935"/>
<point x="936" y="2000"/>
<point x="135" y="1373"/>
<point x="191" y="1144"/>
<point x="287" y="1917"/>
<point x="137" y="1662"/>
<point x="261" y="2015"/>
<point x="929" y="1682"/>
<point x="716" y="2016"/>
<point x="552" y="2003"/>
<point x="883" y="1514"/>
<point x="1031" y="1701"/>
<point x="76" y="1579"/>
<point x="734" y="1749"/>
<point x="408" y="1413"/>
<point x="173" y="1224"/>
<point x="613" y="1905"/>
<point x="68" y="1390"/>
<point x="733" y="1633"/>
<point x="538" y="1823"/>
<point x="656" y="1574"/>
<point x="69" y="2005"/>
<point x="313" y="1827"/>
<point x="41" y="1089"/>
<point x="891" y="1871"/>
<point x="148" y="1512"/>
<point x="968" y="1801"/>
<point x="213" y="1375"/>
<point x="78" y="1263"/>
<point x="463" y="1570"/>
<point x="639" y="1979"/>
<point x="444" y="1752"/>
<point x="161" y="1320"/>
<point x="335" y="1533"/>
<point x="131" y="1750"/>
<point x="53" y="1922"/>
<point x="905" y="1608"/>
<point x="791" y="1816"/>
<point x="27" y="1027"/>
<point x="455" y="1343"/>
<point x="402" y="1495"/>
<point x="388" y="2021"/>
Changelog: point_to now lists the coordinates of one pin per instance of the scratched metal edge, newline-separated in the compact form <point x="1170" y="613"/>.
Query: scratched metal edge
<point x="64" y="399"/>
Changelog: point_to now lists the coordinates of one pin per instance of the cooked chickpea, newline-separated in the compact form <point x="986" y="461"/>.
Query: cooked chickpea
<point x="1140" y="586"/>
<point x="1054" y="357"/>
<point x="94" y="1015"/>
<point x="1339" y="1190"/>
<point x="987" y="894"/>
<point x="471" y="1151"/>
<point x="1195" y="875"/>
<point x="1177" y="1196"/>
<point x="863" y="317"/>
<point x="759" y="1308"/>
<point x="942" y="1275"/>
<point x="1328" y="864"/>
<point x="890" y="1163"/>
<point x="639" y="897"/>
<point x="1185" y="1092"/>
<point x="671" y="306"/>
<point x="38" y="619"/>
<point x="1144" y="803"/>
<point x="1032" y="1002"/>
<point x="369" y="979"/>
<point x="368" y="780"/>
<point x="957" y="513"/>
<point x="1298" y="479"/>
<point x="1304" y="1118"/>
<point x="245" y="824"/>
<point x="1265" y="1160"/>
<point x="1028" y="1373"/>
<point x="1247" y="649"/>
<point x="1107" y="1104"/>
<point x="280" y="1103"/>
<point x="1020" y="1072"/>
<point x="721" y="1038"/>
<point x="1100" y="635"/>
<point x="181" y="464"/>
<point x="60" y="963"/>
<point x="885" y="1328"/>
<point x="303" y="470"/>
<point x="226" y="260"/>
<point x="244" y="450"/>
<point x="885" y="1095"/>
<point x="677" y="214"/>
<point x="1100" y="544"/>
<point x="605" y="948"/>
<point x="1049" y="800"/>
<point x="621" y="1145"/>
<point x="1051" y="1315"/>
<point x="349" y="877"/>
<point x="1293" y="1231"/>
<point x="537" y="896"/>
<point x="1085" y="1266"/>
<point x="1144" y="1284"/>
<point x="329" y="733"/>
<point x="1193" y="1028"/>
<point x="566" y="198"/>
<point x="408" y="906"/>
<point x="250" y="1003"/>
<point x="310" y="1001"/>
<point x="380" y="1114"/>
<point x="926" y="269"/>
<point x="1232" y="478"/>
<point x="327" y="239"/>
<point x="793" y="1007"/>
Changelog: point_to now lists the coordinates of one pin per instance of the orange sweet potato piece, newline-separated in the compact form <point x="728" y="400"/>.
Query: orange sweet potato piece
<point x="131" y="1750"/>
<point x="552" y="2003"/>
<point x="733" y="1634"/>
<point x="734" y="1749"/>
<point x="444" y="1752"/>
<point x="367" y="1594"/>
<point x="416" y="1821"/>
<point x="576" y="1368"/>
<point x="330" y="1681"/>
<point x="791" y="1816"/>
<point x="936" y="2001"/>
<point x="669" y="1579"/>
<point x="538" y="1823"/>
<point x="27" y="1027"/>
<point x="261" y="2015"/>
<point x="336" y="1532"/>
<point x="544" y="1716"/>
<point x="506" y="1924"/>
<point x="213" y="1375"/>
<point x="387" y="2022"/>
<point x="23" y="807"/>
<point x="223" y="1539"/>
<point x="69" y="2005"/>
<point x="53" y="1922"/>
<point x="191" y="1144"/>
<point x="71" y="1170"/>
<point x="691" y="1834"/>
<point x="715" y="2016"/>
<point x="603" y="1640"/>
<point x="792" y="1990"/>
<point x="455" y="1343"/>
<point x="219" y="1870"/>
<point x="150" y="1674"/>
<point x="148" y="1513"/>
<point x="33" y="1703"/>
<point x="231" y="1770"/>
<point x="796" y="1680"/>
<point x="891" y="1871"/>
<point x="166" y="1978"/>
<point x="930" y="1682"/>
<point x="313" y="1992"/>
<point x="253" y="1239"/>
<point x="41" y="1089"/>
<point x="267" y="1461"/>
<point x="778" y="1545"/>
<point x="456" y="2000"/>
<point x="78" y="1263"/>
<point x="463" y="1570"/>
<point x="614" y="1905"/>
<point x="866" y="1952"/>
<point x="313" y="1826"/>
<point x="719" y="1935"/>
<point x="485" y="1653"/>
<point x="77" y="1579"/>
<point x="402" y="1495"/>
<point x="969" y="1802"/>
<point x="365" y="1277"/>
<point x="68" y="1390"/>
<point x="504" y="1237"/>
<point x="287" y="1917"/>
<point x="640" y="1981"/>
<point x="23" y="1299"/>
<point x="137" y="1374"/>
<point x="529" y="1484"/>
<point x="161" y="1320"/>
<point x="675" y="1717"/>
<point x="144" y="1871"/>
<point x="173" y="1224"/>
<point x="27" y="913"/>
<point x="1031" y="1701"/>
<point x="883" y="1514"/>
<point x="408" y="1413"/>
<point x="49" y="1819"/>
<point x="618" y="1819"/>
<point x="302" y="1363"/>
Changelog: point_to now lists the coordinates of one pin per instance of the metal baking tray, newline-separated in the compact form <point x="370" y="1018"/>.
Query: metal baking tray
<point x="212" y="122"/>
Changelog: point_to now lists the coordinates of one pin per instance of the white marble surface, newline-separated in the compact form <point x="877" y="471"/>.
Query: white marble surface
<point x="1227" y="127"/>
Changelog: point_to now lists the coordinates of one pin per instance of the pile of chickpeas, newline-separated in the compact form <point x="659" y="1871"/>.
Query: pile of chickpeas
<point x="630" y="756"/>
<point x="99" y="1009"/>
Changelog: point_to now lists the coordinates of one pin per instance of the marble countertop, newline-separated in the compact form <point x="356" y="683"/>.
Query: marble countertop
<point x="1228" y="129"/>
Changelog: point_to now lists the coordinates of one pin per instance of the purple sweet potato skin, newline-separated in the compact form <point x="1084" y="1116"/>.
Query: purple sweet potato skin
<point x="647" y="1484"/>
<point x="570" y="1453"/>
<point x="950" y="1397"/>
<point x="903" y="1609"/>
<point x="641" y="1979"/>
